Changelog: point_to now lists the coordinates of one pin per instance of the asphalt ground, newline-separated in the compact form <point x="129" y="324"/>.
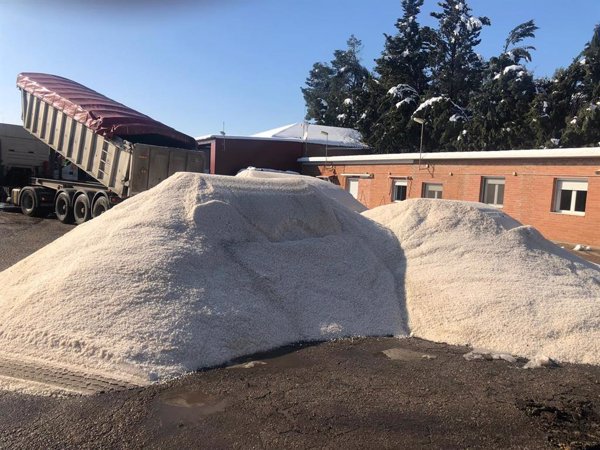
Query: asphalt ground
<point x="20" y="235"/>
<point x="342" y="394"/>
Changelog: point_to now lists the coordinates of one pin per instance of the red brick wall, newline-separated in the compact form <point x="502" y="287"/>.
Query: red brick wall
<point x="528" y="195"/>
<point x="230" y="155"/>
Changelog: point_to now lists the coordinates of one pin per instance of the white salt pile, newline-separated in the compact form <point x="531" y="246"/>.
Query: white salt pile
<point x="330" y="190"/>
<point x="475" y="276"/>
<point x="197" y="271"/>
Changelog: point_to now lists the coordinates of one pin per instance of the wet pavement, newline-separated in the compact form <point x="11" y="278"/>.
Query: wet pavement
<point x="342" y="394"/>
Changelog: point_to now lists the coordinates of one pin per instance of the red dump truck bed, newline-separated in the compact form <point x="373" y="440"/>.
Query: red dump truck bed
<point x="99" y="113"/>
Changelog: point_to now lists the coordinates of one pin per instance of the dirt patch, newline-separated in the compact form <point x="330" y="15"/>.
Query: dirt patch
<point x="572" y="423"/>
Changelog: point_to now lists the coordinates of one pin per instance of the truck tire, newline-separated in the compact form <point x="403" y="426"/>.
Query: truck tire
<point x="101" y="205"/>
<point x="29" y="203"/>
<point x="63" y="209"/>
<point x="81" y="209"/>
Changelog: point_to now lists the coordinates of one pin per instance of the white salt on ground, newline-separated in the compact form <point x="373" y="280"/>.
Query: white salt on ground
<point x="329" y="189"/>
<point x="197" y="271"/>
<point x="475" y="276"/>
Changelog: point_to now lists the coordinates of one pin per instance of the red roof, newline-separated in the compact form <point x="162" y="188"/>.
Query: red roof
<point x="100" y="113"/>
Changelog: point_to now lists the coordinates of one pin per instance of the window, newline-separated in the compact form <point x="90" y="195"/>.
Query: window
<point x="493" y="191"/>
<point x="352" y="186"/>
<point x="432" y="190"/>
<point x="570" y="196"/>
<point x="399" y="190"/>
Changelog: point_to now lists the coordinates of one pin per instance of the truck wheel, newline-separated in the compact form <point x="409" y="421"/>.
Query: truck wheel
<point x="62" y="208"/>
<point x="101" y="205"/>
<point x="29" y="203"/>
<point x="81" y="209"/>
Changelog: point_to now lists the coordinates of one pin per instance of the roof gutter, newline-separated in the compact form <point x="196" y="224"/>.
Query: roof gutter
<point x="409" y="158"/>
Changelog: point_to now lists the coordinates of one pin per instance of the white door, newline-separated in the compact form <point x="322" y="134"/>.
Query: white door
<point x="352" y="187"/>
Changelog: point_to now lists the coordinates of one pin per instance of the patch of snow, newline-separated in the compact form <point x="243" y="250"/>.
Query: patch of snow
<point x="573" y="121"/>
<point x="341" y="117"/>
<point x="555" y="141"/>
<point x="428" y="103"/>
<point x="405" y="101"/>
<point x="348" y="102"/>
<point x="512" y="68"/>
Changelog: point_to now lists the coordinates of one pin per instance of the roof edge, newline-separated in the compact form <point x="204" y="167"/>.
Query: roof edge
<point x="586" y="152"/>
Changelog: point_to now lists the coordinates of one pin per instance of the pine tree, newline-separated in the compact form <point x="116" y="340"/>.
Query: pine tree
<point x="456" y="72"/>
<point x="317" y="92"/>
<point x="403" y="79"/>
<point x="564" y="111"/>
<point x="583" y="127"/>
<point x="334" y="91"/>
<point x="499" y="111"/>
<point x="456" y="69"/>
<point x="405" y="57"/>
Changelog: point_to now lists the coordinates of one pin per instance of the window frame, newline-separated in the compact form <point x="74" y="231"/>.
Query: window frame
<point x="425" y="189"/>
<point x="485" y="182"/>
<point x="396" y="183"/>
<point x="556" y="198"/>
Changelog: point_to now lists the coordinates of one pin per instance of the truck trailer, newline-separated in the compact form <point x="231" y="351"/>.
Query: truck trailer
<point x="121" y="150"/>
<point x="22" y="156"/>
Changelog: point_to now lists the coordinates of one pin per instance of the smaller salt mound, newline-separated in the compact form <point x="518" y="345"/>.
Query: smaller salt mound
<point x="475" y="276"/>
<point x="197" y="271"/>
<point x="329" y="189"/>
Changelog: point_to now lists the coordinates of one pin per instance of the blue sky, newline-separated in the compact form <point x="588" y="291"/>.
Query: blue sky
<point x="196" y="64"/>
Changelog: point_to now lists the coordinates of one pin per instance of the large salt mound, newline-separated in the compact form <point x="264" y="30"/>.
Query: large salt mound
<point x="197" y="271"/>
<point x="329" y="189"/>
<point x="475" y="276"/>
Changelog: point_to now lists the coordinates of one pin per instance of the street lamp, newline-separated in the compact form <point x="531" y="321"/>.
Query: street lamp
<point x="422" y="122"/>
<point x="326" y="134"/>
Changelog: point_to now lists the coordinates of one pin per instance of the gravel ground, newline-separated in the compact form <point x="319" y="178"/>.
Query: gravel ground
<point x="344" y="394"/>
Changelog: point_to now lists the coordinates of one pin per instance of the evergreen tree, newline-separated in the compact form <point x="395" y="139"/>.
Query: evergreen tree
<point x="565" y="112"/>
<point x="583" y="127"/>
<point x="456" y="69"/>
<point x="456" y="72"/>
<point x="333" y="92"/>
<point x="403" y="78"/>
<point x="499" y="110"/>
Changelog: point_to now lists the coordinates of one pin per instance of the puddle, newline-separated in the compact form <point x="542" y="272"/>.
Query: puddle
<point x="402" y="354"/>
<point x="189" y="406"/>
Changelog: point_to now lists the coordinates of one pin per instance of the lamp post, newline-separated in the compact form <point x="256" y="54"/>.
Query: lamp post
<point x="422" y="122"/>
<point x="326" y="134"/>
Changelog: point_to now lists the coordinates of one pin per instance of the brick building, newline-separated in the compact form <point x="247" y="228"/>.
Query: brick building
<point x="278" y="148"/>
<point x="556" y="191"/>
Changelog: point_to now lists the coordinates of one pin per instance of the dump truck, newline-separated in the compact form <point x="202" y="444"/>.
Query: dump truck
<point x="21" y="157"/>
<point x="122" y="152"/>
